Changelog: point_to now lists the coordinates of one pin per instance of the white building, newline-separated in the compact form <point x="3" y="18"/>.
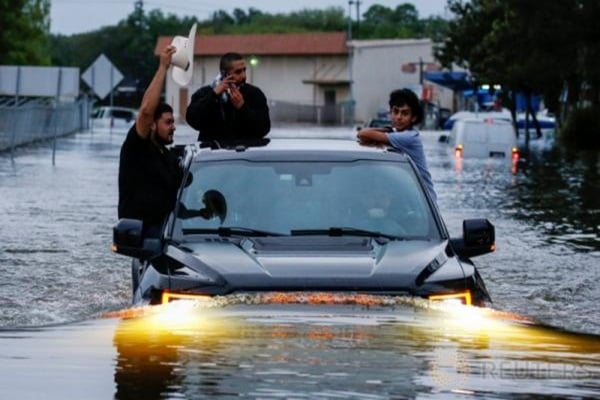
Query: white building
<point x="380" y="66"/>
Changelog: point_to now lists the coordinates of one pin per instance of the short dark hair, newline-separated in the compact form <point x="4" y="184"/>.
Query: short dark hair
<point x="227" y="59"/>
<point x="401" y="97"/>
<point x="161" y="109"/>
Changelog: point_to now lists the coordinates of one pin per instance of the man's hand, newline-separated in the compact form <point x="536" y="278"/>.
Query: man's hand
<point x="224" y="84"/>
<point x="165" y="56"/>
<point x="237" y="100"/>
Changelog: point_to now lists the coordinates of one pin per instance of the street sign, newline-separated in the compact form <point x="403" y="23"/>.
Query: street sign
<point x="102" y="76"/>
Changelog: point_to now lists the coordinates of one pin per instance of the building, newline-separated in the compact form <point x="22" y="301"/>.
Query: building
<point x="313" y="77"/>
<point x="380" y="66"/>
<point x="304" y="69"/>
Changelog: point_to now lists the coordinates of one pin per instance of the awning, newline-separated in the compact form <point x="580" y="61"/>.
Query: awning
<point x="456" y="81"/>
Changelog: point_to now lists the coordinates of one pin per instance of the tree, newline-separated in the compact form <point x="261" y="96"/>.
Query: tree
<point x="524" y="47"/>
<point x="24" y="33"/>
<point x="400" y="23"/>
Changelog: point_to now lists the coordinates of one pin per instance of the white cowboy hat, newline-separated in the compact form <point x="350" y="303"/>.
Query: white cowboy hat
<point x="183" y="59"/>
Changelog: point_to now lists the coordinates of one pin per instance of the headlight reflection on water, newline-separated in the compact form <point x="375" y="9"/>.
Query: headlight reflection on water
<point x="451" y="348"/>
<point x="435" y="319"/>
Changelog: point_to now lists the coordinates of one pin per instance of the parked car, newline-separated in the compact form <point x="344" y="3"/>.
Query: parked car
<point x="482" y="138"/>
<point x="308" y="215"/>
<point x="119" y="118"/>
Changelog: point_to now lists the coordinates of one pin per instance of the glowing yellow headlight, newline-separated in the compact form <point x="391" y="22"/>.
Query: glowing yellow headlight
<point x="464" y="296"/>
<point x="167" y="297"/>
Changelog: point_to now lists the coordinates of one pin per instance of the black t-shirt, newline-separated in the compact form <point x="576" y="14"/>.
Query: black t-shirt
<point x="149" y="176"/>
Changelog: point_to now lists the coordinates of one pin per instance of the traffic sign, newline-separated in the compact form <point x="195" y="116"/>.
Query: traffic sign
<point x="102" y="76"/>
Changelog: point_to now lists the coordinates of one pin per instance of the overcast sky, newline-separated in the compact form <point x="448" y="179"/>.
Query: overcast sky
<point x="75" y="16"/>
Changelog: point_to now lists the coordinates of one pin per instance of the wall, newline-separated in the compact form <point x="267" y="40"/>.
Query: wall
<point x="280" y="78"/>
<point x="376" y="71"/>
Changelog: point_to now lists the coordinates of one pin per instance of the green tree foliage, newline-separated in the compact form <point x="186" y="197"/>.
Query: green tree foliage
<point x="589" y="50"/>
<point x="330" y="19"/>
<point x="400" y="23"/>
<point x="24" y="32"/>
<point x="528" y="47"/>
<point x="129" y="45"/>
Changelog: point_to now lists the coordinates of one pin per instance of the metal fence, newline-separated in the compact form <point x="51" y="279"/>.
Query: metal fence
<point x="339" y="114"/>
<point x="34" y="120"/>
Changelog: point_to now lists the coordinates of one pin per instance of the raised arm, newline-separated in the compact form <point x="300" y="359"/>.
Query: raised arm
<point x="151" y="98"/>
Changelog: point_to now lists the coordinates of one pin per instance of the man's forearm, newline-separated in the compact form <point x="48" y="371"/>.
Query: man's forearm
<point x="152" y="94"/>
<point x="373" y="135"/>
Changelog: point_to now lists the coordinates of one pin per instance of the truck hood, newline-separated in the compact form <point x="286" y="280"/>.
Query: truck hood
<point x="318" y="263"/>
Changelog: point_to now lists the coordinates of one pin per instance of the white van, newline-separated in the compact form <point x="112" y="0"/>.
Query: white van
<point x="482" y="138"/>
<point x="119" y="118"/>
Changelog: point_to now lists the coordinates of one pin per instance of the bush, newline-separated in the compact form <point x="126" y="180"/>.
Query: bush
<point x="582" y="127"/>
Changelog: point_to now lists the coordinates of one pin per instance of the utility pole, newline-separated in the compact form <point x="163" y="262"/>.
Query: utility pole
<point x="138" y="6"/>
<point x="357" y="18"/>
<point x="350" y="3"/>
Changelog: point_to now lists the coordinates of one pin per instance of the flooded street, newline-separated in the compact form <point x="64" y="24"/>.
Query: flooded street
<point x="60" y="280"/>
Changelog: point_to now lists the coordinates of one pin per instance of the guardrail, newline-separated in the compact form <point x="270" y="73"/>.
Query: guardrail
<point x="40" y="119"/>
<point x="338" y="114"/>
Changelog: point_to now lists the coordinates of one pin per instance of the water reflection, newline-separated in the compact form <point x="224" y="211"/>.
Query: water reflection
<point x="559" y="189"/>
<point x="350" y="352"/>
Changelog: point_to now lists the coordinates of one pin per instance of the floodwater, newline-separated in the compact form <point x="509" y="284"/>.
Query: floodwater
<point x="64" y="332"/>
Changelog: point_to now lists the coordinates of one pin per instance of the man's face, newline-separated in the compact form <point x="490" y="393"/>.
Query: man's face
<point x="237" y="70"/>
<point x="402" y="117"/>
<point x="165" y="128"/>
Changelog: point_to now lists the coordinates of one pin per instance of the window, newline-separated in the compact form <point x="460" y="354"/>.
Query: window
<point x="284" y="196"/>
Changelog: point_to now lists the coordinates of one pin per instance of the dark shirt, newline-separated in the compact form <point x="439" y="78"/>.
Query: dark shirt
<point x="149" y="177"/>
<point x="216" y="119"/>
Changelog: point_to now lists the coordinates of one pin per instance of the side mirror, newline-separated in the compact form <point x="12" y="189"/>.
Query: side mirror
<point x="479" y="238"/>
<point x="128" y="240"/>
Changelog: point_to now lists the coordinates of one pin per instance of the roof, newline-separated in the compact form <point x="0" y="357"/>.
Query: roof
<point x="314" y="43"/>
<point x="452" y="80"/>
<point x="388" y="43"/>
<point x="302" y="149"/>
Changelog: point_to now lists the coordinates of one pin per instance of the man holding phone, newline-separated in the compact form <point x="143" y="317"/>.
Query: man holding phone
<point x="230" y="110"/>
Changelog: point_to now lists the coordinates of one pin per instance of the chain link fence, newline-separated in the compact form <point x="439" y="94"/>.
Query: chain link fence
<point x="338" y="114"/>
<point x="40" y="119"/>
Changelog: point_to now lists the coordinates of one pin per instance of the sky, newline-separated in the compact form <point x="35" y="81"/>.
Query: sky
<point x="76" y="16"/>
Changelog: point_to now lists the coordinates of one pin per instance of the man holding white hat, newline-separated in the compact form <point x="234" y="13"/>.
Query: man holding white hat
<point x="229" y="110"/>
<point x="149" y="173"/>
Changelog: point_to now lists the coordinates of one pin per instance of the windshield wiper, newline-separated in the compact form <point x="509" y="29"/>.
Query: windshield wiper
<point x="344" y="231"/>
<point x="231" y="231"/>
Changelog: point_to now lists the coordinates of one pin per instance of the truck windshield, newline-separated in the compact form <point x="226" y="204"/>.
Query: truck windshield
<point x="281" y="197"/>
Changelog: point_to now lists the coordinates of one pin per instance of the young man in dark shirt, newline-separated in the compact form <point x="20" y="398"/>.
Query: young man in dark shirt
<point x="231" y="109"/>
<point x="149" y="174"/>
